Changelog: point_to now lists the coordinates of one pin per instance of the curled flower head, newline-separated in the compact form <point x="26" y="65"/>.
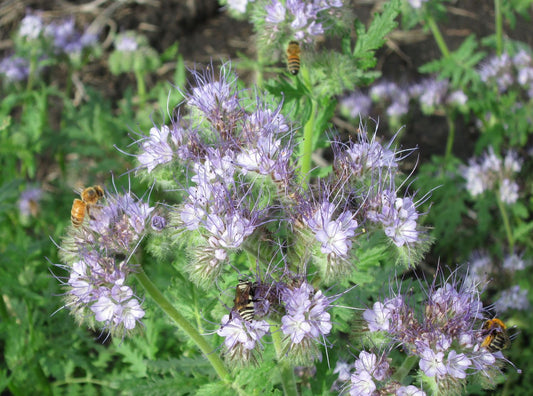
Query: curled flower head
<point x="96" y="254"/>
<point x="31" y="26"/>
<point x="67" y="39"/>
<point x="490" y="172"/>
<point x="296" y="19"/>
<point x="447" y="330"/>
<point x="242" y="339"/>
<point x="306" y="321"/>
<point x="15" y="68"/>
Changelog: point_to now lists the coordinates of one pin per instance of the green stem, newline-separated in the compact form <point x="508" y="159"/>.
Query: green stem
<point x="450" y="140"/>
<point x="405" y="368"/>
<point x="507" y="225"/>
<point x="183" y="324"/>
<point x="307" y="145"/>
<point x="141" y="87"/>
<point x="286" y="372"/>
<point x="438" y="36"/>
<point x="499" y="26"/>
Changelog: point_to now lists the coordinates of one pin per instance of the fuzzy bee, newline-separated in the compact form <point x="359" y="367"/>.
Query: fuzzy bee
<point x="89" y="198"/>
<point x="293" y="57"/>
<point x="244" y="300"/>
<point x="496" y="336"/>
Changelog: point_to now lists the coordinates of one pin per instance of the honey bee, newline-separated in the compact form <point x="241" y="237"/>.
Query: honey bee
<point x="293" y="57"/>
<point x="89" y="197"/>
<point x="496" y="337"/>
<point x="244" y="300"/>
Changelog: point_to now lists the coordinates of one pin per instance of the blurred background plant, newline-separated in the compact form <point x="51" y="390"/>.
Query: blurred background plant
<point x="81" y="82"/>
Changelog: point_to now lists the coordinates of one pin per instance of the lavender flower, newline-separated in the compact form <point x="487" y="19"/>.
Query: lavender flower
<point x="329" y="231"/>
<point x="398" y="217"/>
<point x="513" y="298"/>
<point x="410" y="390"/>
<point x="126" y="43"/>
<point x="15" y="68"/>
<point x="306" y="321"/>
<point x="362" y="384"/>
<point x="242" y="338"/>
<point x="29" y="201"/>
<point x="67" y="39"/>
<point x="301" y="20"/>
<point x="356" y="105"/>
<point x="31" y="25"/>
<point x="444" y="331"/>
<point x="96" y="256"/>
<point x="490" y="171"/>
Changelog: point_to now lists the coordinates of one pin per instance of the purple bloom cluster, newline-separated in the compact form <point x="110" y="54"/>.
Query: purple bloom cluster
<point x="305" y="323"/>
<point x="15" y="68"/>
<point x="512" y="298"/>
<point x="227" y="149"/>
<point x="505" y="71"/>
<point x="370" y="375"/>
<point x="97" y="257"/>
<point x="242" y="339"/>
<point x="491" y="173"/>
<point x="67" y="39"/>
<point x="29" y="201"/>
<point x="31" y="26"/>
<point x="301" y="18"/>
<point x="126" y="43"/>
<point x="445" y="333"/>
<point x="430" y="94"/>
<point x="334" y="235"/>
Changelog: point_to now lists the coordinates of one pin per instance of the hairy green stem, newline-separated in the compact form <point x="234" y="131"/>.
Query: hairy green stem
<point x="499" y="26"/>
<point x="450" y="140"/>
<point x="438" y="36"/>
<point x="307" y="144"/>
<point x="405" y="368"/>
<point x="141" y="87"/>
<point x="506" y="223"/>
<point x="183" y="324"/>
<point x="286" y="372"/>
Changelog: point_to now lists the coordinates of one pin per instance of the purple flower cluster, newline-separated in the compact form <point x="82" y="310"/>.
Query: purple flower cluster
<point x="301" y="18"/>
<point x="15" y="68"/>
<point x="430" y="94"/>
<point x="445" y="332"/>
<point x="490" y="173"/>
<point x="334" y="231"/>
<point x="126" y="43"/>
<point x="97" y="255"/>
<point x="305" y="323"/>
<point x="506" y="71"/>
<point x="227" y="149"/>
<point x="31" y="26"/>
<point x="67" y="39"/>
<point x="512" y="298"/>
<point x="29" y="201"/>
<point x="370" y="375"/>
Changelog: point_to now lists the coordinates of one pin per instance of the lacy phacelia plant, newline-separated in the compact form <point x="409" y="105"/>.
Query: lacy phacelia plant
<point x="240" y="185"/>
<point x="99" y="258"/>
<point x="445" y="333"/>
<point x="490" y="173"/>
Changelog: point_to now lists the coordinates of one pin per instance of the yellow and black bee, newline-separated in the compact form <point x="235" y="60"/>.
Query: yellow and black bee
<point x="496" y="337"/>
<point x="293" y="57"/>
<point x="80" y="207"/>
<point x="244" y="300"/>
